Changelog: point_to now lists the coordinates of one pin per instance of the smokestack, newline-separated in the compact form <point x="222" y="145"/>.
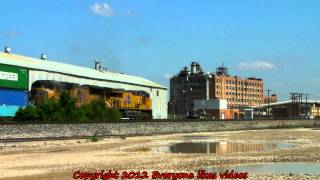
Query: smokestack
<point x="208" y="77"/>
<point x="193" y="68"/>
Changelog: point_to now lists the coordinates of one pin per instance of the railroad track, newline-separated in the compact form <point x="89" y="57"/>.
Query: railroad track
<point x="55" y="138"/>
<point x="6" y="118"/>
<point x="39" y="139"/>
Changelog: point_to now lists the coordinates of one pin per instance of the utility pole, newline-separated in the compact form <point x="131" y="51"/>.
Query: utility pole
<point x="294" y="104"/>
<point x="268" y="110"/>
<point x="297" y="104"/>
<point x="291" y="94"/>
<point x="306" y="104"/>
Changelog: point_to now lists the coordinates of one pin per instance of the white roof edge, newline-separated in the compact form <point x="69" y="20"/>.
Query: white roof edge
<point x="54" y="66"/>
<point x="285" y="102"/>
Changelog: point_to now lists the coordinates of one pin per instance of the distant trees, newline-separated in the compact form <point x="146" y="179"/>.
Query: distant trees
<point x="65" y="110"/>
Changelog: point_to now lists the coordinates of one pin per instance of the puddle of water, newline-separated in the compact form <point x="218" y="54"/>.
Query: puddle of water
<point x="273" y="168"/>
<point x="218" y="147"/>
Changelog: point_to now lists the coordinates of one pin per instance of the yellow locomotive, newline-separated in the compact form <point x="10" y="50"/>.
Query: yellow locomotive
<point x="131" y="104"/>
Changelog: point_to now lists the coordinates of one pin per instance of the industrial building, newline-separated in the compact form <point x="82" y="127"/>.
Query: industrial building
<point x="189" y="85"/>
<point x="309" y="109"/>
<point x="19" y="74"/>
<point x="214" y="109"/>
<point x="240" y="92"/>
<point x="185" y="88"/>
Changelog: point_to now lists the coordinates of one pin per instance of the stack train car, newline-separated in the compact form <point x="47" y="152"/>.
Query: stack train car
<point x="131" y="104"/>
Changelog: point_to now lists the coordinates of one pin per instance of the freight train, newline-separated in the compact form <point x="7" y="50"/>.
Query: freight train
<point x="131" y="104"/>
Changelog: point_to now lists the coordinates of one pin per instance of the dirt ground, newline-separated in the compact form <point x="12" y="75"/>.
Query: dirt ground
<point x="60" y="159"/>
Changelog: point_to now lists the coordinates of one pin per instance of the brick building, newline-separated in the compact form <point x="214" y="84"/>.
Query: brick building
<point x="189" y="85"/>
<point x="272" y="99"/>
<point x="239" y="92"/>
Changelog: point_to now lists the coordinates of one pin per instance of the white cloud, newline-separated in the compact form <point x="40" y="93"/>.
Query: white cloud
<point x="101" y="9"/>
<point x="256" y="65"/>
<point x="167" y="76"/>
<point x="9" y="34"/>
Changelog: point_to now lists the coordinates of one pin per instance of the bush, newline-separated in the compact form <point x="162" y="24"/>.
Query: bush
<point x="113" y="114"/>
<point x="27" y="114"/>
<point x="97" y="111"/>
<point x="67" y="102"/>
<point x="94" y="138"/>
<point x="65" y="110"/>
<point x="51" y="111"/>
<point x="78" y="115"/>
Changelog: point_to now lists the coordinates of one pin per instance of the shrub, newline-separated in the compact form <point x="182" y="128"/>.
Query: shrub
<point x="67" y="102"/>
<point x="65" y="110"/>
<point x="51" y="111"/>
<point x="78" y="115"/>
<point x="97" y="110"/>
<point x="94" y="138"/>
<point x="113" y="114"/>
<point x="27" y="114"/>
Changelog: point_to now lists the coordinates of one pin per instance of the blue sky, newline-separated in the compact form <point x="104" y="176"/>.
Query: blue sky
<point x="275" y="40"/>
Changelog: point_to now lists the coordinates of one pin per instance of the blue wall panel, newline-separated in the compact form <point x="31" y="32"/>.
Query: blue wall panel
<point x="13" y="97"/>
<point x="8" y="111"/>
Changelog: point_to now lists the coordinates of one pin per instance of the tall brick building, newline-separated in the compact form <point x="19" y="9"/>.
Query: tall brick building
<point x="192" y="84"/>
<point x="240" y="92"/>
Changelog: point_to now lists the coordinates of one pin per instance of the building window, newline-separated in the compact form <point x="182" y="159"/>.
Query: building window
<point x="157" y="92"/>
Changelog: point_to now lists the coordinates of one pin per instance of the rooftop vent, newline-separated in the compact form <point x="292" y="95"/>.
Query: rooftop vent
<point x="7" y="50"/>
<point x="97" y="65"/>
<point x="43" y="57"/>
